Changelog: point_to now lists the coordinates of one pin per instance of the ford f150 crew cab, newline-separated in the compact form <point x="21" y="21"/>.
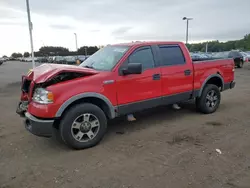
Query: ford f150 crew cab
<point x="75" y="102"/>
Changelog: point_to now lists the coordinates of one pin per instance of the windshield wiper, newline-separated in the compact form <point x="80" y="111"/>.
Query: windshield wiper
<point x="89" y="66"/>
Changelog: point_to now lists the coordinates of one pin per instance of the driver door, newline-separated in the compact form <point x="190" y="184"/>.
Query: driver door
<point x="136" y="92"/>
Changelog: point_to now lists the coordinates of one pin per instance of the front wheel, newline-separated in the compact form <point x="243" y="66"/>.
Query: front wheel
<point x="83" y="126"/>
<point x="209" y="100"/>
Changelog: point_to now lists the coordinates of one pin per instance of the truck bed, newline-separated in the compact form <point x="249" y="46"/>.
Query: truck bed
<point x="223" y="67"/>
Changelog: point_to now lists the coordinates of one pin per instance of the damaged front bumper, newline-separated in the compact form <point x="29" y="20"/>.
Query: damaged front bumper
<point x="37" y="126"/>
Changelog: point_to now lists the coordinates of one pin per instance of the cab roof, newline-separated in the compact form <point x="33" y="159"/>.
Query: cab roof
<point x="140" y="43"/>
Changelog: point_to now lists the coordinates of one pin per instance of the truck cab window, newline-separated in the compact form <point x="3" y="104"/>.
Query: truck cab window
<point x="171" y="55"/>
<point x="143" y="56"/>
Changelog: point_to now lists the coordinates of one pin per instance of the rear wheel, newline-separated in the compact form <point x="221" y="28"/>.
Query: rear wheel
<point x="240" y="65"/>
<point x="209" y="100"/>
<point x="83" y="126"/>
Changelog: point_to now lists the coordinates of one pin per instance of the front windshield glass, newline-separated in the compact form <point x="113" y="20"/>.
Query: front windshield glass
<point x="106" y="58"/>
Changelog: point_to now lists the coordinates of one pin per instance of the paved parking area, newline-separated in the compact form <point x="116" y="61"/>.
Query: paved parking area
<point x="10" y="72"/>
<point x="163" y="148"/>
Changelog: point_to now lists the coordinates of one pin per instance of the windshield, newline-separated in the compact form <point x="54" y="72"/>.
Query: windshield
<point x="106" y="58"/>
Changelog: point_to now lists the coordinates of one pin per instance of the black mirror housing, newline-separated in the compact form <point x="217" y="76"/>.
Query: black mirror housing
<point x="132" y="68"/>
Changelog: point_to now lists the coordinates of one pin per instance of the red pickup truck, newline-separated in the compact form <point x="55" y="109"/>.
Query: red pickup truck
<point x="75" y="102"/>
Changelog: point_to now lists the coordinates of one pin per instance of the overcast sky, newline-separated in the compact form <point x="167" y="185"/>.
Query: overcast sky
<point x="100" y="22"/>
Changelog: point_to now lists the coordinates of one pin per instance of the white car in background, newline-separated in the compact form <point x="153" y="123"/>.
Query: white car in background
<point x="28" y="59"/>
<point x="246" y="56"/>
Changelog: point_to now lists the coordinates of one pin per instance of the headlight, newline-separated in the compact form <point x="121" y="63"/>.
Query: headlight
<point x="43" y="96"/>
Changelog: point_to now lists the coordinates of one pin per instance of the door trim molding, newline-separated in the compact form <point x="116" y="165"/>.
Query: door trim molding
<point x="151" y="103"/>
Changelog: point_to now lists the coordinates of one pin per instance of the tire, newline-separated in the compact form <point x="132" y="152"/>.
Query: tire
<point x="83" y="126"/>
<point x="240" y="65"/>
<point x="204" y="103"/>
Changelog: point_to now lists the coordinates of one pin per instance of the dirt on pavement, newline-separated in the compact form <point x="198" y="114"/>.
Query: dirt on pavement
<point x="163" y="148"/>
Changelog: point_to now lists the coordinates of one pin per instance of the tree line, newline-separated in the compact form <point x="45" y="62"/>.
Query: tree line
<point x="58" y="51"/>
<point x="216" y="46"/>
<point x="213" y="46"/>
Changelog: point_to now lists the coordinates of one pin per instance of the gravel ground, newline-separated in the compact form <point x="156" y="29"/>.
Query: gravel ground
<point x="163" y="148"/>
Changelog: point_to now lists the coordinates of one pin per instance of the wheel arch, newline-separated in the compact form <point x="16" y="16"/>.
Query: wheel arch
<point x="90" y="97"/>
<point x="215" y="79"/>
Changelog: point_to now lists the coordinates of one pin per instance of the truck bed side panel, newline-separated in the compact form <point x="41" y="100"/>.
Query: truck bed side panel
<point x="204" y="69"/>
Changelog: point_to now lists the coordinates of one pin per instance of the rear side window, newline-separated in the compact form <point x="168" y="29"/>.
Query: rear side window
<point x="171" y="55"/>
<point x="144" y="56"/>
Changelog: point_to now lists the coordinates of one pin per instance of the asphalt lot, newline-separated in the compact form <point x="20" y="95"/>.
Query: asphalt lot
<point x="10" y="72"/>
<point x="163" y="148"/>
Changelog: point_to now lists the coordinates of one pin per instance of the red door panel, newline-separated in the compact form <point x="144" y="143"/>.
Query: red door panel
<point x="139" y="87"/>
<point x="135" y="88"/>
<point x="175" y="81"/>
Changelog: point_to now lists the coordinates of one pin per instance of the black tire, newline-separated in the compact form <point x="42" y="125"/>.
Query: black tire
<point x="71" y="115"/>
<point x="240" y="64"/>
<point x="202" y="103"/>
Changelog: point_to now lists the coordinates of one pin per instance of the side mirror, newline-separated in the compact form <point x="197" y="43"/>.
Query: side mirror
<point x="132" y="68"/>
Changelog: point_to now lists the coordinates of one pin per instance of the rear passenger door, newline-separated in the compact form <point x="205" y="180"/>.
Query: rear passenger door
<point x="176" y="72"/>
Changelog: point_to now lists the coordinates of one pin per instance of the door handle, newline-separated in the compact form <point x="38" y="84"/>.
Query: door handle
<point x="187" y="72"/>
<point x="156" y="76"/>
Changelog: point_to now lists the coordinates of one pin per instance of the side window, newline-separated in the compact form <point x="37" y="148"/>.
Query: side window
<point x="143" y="56"/>
<point x="171" y="55"/>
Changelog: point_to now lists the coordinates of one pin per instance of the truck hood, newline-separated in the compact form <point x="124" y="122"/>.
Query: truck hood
<point x="45" y="72"/>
